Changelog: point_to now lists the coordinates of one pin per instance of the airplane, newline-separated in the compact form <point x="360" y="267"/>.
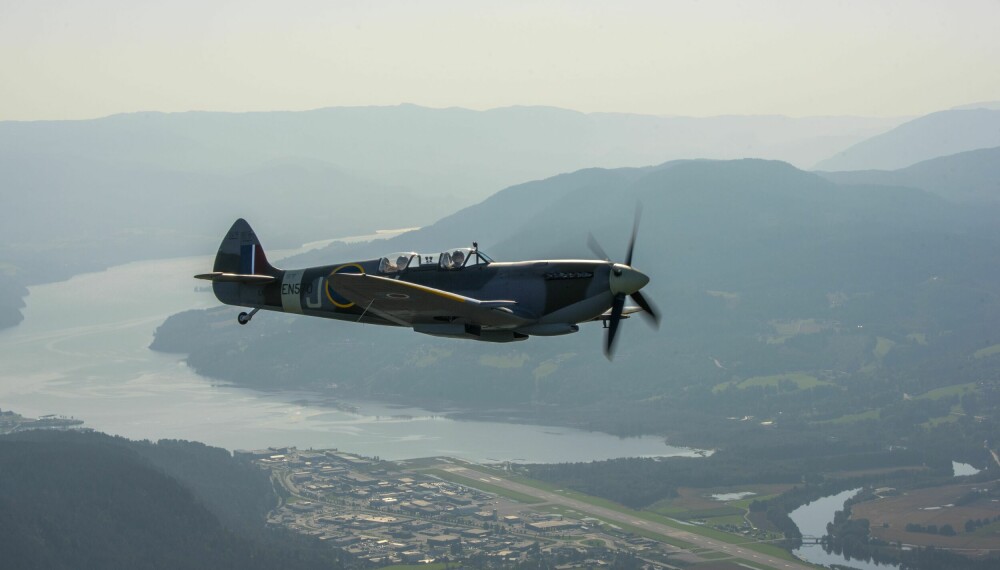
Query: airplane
<point x="457" y="293"/>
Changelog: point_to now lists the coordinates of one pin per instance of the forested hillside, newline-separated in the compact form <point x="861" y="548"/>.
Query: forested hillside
<point x="87" y="500"/>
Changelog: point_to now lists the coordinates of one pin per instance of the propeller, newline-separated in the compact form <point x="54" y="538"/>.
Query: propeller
<point x="625" y="281"/>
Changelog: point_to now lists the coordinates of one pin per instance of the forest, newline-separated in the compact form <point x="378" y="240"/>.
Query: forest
<point x="87" y="500"/>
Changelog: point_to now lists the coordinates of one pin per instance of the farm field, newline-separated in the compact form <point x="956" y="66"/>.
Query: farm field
<point x="798" y="380"/>
<point x="934" y="506"/>
<point x="698" y="504"/>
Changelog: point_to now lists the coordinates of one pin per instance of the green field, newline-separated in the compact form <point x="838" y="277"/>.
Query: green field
<point x="882" y="347"/>
<point x="988" y="351"/>
<point x="500" y="361"/>
<point x="948" y="391"/>
<point x="850" y="418"/>
<point x="784" y="330"/>
<point x="8" y="269"/>
<point x="953" y="415"/>
<point x="429" y="357"/>
<point x="801" y="380"/>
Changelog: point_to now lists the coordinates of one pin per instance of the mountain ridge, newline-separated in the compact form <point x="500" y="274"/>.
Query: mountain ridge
<point x="937" y="134"/>
<point x="968" y="177"/>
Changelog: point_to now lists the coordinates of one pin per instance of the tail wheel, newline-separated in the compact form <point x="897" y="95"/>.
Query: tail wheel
<point x="244" y="318"/>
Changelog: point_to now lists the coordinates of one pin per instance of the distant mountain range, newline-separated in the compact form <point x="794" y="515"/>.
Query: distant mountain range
<point x="168" y="178"/>
<point x="972" y="176"/>
<point x="435" y="152"/>
<point x="931" y="136"/>
<point x="83" y="195"/>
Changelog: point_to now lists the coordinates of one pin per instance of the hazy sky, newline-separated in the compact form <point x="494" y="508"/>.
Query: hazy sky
<point x="64" y="59"/>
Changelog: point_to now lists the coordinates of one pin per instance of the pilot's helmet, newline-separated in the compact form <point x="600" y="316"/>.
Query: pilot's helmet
<point x="458" y="259"/>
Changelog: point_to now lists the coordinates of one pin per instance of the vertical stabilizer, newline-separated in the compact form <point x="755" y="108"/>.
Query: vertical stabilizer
<point x="241" y="252"/>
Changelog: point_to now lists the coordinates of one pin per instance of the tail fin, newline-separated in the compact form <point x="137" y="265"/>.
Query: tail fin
<point x="241" y="252"/>
<point x="241" y="258"/>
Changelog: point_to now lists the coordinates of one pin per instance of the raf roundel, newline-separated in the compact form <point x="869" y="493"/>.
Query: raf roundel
<point x="335" y="298"/>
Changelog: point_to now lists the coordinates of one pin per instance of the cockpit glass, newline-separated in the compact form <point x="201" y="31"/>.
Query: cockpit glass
<point x="452" y="259"/>
<point x="395" y="262"/>
<point x="462" y="257"/>
<point x="455" y="258"/>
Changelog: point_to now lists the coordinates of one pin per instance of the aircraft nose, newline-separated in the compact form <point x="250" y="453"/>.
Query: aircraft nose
<point x="626" y="280"/>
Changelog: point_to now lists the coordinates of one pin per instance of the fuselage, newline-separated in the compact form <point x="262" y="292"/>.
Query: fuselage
<point x="458" y="293"/>
<point x="546" y="292"/>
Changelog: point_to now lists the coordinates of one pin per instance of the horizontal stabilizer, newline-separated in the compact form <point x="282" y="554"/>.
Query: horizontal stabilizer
<point x="247" y="278"/>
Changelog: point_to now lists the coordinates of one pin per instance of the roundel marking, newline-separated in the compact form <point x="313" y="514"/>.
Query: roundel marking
<point x="397" y="296"/>
<point x="334" y="297"/>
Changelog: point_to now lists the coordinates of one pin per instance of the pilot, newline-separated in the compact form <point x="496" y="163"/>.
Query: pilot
<point x="389" y="267"/>
<point x="457" y="260"/>
<point x="401" y="262"/>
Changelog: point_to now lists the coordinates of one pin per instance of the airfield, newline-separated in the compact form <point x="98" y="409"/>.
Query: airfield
<point x="438" y="510"/>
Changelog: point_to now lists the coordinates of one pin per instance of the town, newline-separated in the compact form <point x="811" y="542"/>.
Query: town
<point x="12" y="422"/>
<point x="407" y="512"/>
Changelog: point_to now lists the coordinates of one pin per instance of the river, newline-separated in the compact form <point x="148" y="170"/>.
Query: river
<point x="812" y="518"/>
<point x="82" y="351"/>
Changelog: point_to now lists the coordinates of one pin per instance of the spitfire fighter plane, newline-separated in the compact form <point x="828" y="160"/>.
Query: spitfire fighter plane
<point x="458" y="293"/>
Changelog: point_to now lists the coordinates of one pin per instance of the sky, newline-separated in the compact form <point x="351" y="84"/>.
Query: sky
<point x="67" y="59"/>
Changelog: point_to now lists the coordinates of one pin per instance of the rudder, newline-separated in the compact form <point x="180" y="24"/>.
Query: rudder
<point x="241" y="252"/>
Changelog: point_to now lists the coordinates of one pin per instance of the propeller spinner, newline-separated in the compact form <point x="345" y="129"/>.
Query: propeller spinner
<point x="625" y="281"/>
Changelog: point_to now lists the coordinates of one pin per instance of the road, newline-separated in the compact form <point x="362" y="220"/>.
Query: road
<point x="617" y="516"/>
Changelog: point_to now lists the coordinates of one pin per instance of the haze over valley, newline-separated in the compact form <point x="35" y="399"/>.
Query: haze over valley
<point x="818" y="196"/>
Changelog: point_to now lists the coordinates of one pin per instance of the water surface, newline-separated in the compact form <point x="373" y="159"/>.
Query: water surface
<point x="812" y="519"/>
<point x="82" y="351"/>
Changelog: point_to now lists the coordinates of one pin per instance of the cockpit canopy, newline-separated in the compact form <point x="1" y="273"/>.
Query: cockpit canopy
<point x="453" y="259"/>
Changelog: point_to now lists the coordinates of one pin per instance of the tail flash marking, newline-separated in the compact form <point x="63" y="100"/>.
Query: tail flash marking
<point x="248" y="258"/>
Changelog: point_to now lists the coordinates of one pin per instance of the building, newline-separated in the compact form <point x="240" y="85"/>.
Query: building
<point x="443" y="540"/>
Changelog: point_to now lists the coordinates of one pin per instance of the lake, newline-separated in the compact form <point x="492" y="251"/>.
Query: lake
<point x="82" y="351"/>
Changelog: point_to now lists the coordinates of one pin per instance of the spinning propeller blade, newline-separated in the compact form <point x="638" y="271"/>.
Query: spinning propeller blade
<point x="616" y="317"/>
<point x="596" y="248"/>
<point x="625" y="281"/>
<point x="648" y="311"/>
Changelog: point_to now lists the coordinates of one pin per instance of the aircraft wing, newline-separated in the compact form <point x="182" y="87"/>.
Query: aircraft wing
<point x="409" y="304"/>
